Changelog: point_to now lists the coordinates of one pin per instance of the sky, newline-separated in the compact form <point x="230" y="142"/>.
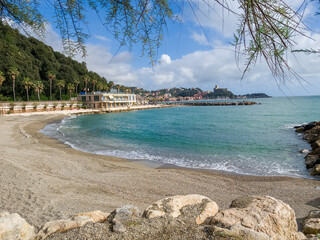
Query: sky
<point x="196" y="52"/>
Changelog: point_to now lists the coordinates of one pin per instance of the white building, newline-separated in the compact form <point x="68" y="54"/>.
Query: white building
<point x="104" y="100"/>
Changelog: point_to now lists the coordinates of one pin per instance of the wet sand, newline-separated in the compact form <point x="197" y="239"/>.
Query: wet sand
<point x="43" y="179"/>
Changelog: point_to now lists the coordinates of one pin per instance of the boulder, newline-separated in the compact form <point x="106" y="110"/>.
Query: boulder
<point x="311" y="160"/>
<point x="62" y="226"/>
<point x="310" y="138"/>
<point x="299" y="129"/>
<point x="97" y="216"/>
<point x="12" y="226"/>
<point x="311" y="226"/>
<point x="121" y="217"/>
<point x="173" y="207"/>
<point x="305" y="151"/>
<point x="316" y="144"/>
<point x="315" y="170"/>
<point x="77" y="221"/>
<point x="258" y="218"/>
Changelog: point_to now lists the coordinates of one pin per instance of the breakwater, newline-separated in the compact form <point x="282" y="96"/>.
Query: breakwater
<point x="242" y="103"/>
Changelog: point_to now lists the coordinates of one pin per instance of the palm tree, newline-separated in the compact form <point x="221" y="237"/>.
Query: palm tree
<point x="27" y="84"/>
<point x="111" y="84"/>
<point x="51" y="76"/>
<point x="94" y="82"/>
<point x="122" y="88"/>
<point x="13" y="72"/>
<point x="106" y="87"/>
<point x="118" y="87"/>
<point x="2" y="78"/>
<point x="76" y="82"/>
<point x="99" y="86"/>
<point x="60" y="84"/>
<point x="86" y="79"/>
<point x="70" y="88"/>
<point x="38" y="86"/>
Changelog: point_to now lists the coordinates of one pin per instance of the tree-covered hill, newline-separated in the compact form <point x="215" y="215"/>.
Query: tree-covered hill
<point x="33" y="59"/>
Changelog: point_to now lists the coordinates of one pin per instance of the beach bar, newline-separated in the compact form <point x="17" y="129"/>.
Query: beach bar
<point x="104" y="100"/>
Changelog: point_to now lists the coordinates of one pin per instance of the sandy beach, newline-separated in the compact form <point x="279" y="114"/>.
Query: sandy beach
<point x="43" y="179"/>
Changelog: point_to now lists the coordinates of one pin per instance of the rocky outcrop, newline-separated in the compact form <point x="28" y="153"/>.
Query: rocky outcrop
<point x="257" y="218"/>
<point x="173" y="207"/>
<point x="178" y="217"/>
<point x="12" y="226"/>
<point x="311" y="134"/>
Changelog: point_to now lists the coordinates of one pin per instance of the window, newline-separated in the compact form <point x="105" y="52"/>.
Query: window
<point x="83" y="98"/>
<point x="96" y="98"/>
<point x="89" y="98"/>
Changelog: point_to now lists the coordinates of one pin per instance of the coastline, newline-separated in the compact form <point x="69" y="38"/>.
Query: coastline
<point x="43" y="179"/>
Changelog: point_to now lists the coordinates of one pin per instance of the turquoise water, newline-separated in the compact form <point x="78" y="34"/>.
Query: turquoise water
<point x="255" y="140"/>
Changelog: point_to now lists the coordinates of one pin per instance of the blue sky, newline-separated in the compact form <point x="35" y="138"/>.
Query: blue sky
<point x="187" y="58"/>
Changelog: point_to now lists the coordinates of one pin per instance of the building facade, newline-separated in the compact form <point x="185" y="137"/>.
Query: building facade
<point x="218" y="90"/>
<point x="104" y="100"/>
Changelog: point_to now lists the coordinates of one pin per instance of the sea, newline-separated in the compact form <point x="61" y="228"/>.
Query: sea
<point x="251" y="140"/>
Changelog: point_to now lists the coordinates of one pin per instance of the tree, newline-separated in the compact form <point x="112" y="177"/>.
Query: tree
<point x="2" y="78"/>
<point x="94" y="82"/>
<point x="111" y="84"/>
<point x="70" y="88"/>
<point x="86" y="80"/>
<point x="27" y="84"/>
<point x="51" y="76"/>
<point x="60" y="84"/>
<point x="106" y="87"/>
<point x="99" y="86"/>
<point x="266" y="28"/>
<point x="38" y="86"/>
<point x="76" y="82"/>
<point x="13" y="72"/>
<point x="122" y="88"/>
<point x="118" y="87"/>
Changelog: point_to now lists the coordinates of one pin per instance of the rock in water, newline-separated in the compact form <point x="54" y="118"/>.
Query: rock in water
<point x="173" y="207"/>
<point x="12" y="226"/>
<point x="259" y="218"/>
<point x="315" y="170"/>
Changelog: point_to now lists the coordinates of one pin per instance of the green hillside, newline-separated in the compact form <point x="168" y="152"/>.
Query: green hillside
<point x="33" y="59"/>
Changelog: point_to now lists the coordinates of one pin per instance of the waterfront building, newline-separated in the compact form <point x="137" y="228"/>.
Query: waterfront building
<point x="104" y="100"/>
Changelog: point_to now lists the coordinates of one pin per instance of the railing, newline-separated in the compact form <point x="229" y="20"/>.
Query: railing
<point x="20" y="107"/>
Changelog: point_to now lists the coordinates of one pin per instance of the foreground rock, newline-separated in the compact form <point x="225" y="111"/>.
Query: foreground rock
<point x="67" y="224"/>
<point x="178" y="217"/>
<point x="12" y="226"/>
<point x="257" y="218"/>
<point x="124" y="216"/>
<point x="173" y="207"/>
<point x="311" y="224"/>
<point x="311" y="134"/>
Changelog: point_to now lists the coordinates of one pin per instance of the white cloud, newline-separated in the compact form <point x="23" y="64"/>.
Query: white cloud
<point x="101" y="38"/>
<point x="200" y="38"/>
<point x="165" y="59"/>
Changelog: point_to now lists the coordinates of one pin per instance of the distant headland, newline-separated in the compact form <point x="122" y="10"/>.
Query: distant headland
<point x="192" y="94"/>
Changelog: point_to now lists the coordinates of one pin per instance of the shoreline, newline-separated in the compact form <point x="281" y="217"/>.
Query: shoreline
<point x="44" y="179"/>
<point x="163" y="165"/>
